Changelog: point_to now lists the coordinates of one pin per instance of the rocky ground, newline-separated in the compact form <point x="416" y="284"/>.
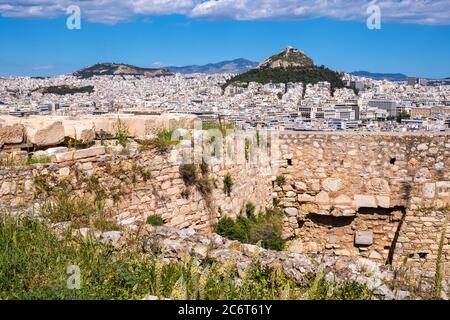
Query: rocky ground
<point x="171" y="244"/>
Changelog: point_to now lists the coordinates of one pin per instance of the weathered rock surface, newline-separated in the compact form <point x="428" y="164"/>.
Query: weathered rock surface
<point x="44" y="133"/>
<point x="10" y="134"/>
<point x="172" y="244"/>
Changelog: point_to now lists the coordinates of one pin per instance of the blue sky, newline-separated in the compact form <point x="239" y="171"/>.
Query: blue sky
<point x="42" y="45"/>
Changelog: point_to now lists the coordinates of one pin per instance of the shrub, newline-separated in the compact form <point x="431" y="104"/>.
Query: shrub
<point x="280" y="180"/>
<point x="121" y="132"/>
<point x="227" y="184"/>
<point x="265" y="229"/>
<point x="162" y="142"/>
<point x="321" y="289"/>
<point x="188" y="173"/>
<point x="155" y="220"/>
<point x="146" y="175"/>
<point x="247" y="149"/>
<point x="205" y="185"/>
<point x="60" y="207"/>
<point x="250" y="209"/>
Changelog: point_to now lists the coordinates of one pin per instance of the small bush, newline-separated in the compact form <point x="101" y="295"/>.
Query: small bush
<point x="227" y="184"/>
<point x="163" y="142"/>
<point x="188" y="173"/>
<point x="265" y="229"/>
<point x="321" y="289"/>
<point x="280" y="180"/>
<point x="121" y="132"/>
<point x="155" y="220"/>
<point x="205" y="185"/>
<point x="146" y="175"/>
<point x="250" y="209"/>
<point x="80" y="211"/>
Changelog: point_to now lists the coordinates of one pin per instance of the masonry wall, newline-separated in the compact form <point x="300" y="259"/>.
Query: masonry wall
<point x="137" y="186"/>
<point x="374" y="195"/>
<point x="370" y="194"/>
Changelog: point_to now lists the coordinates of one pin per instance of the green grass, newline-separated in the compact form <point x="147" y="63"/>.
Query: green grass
<point x="162" y="142"/>
<point x="80" y="211"/>
<point x="34" y="262"/>
<point x="155" y="220"/>
<point x="265" y="229"/>
<point x="280" y="180"/>
<point x="121" y="133"/>
<point x="42" y="159"/>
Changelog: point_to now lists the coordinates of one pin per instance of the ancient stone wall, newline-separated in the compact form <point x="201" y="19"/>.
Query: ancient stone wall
<point x="137" y="185"/>
<point x="369" y="194"/>
<point x="375" y="195"/>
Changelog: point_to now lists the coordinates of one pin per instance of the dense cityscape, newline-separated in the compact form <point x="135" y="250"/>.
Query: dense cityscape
<point x="226" y="151"/>
<point x="364" y="104"/>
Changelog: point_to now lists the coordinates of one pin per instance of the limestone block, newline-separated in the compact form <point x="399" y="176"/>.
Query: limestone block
<point x="88" y="153"/>
<point x="364" y="238"/>
<point x="79" y="130"/>
<point x="332" y="184"/>
<point x="44" y="133"/>
<point x="429" y="190"/>
<point x="306" y="198"/>
<point x="105" y="124"/>
<point x="11" y="134"/>
<point x="291" y="211"/>
<point x="5" y="188"/>
<point x="364" y="201"/>
<point x="64" y="156"/>
<point x="322" y="197"/>
<point x="290" y="194"/>
<point x="384" y="201"/>
<point x="301" y="186"/>
<point x="379" y="185"/>
<point x="342" y="200"/>
<point x="375" y="255"/>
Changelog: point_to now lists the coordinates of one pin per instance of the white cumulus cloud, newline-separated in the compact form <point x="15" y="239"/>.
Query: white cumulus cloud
<point x="432" y="12"/>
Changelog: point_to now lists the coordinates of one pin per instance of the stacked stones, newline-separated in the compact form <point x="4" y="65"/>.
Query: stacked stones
<point x="348" y="193"/>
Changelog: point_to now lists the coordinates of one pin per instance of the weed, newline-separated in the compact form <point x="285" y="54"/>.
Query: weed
<point x="155" y="220"/>
<point x="280" y="180"/>
<point x="265" y="229"/>
<point x="35" y="160"/>
<point x="162" y="142"/>
<point x="227" y="184"/>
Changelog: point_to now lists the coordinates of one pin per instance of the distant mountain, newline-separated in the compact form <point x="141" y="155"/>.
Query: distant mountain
<point x="233" y="66"/>
<point x="290" y="65"/>
<point x="109" y="69"/>
<point x="381" y="76"/>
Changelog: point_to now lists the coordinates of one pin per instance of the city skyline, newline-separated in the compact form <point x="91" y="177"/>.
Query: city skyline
<point x="37" y="41"/>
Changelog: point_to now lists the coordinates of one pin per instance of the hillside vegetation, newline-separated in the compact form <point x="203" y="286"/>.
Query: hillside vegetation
<point x="306" y="75"/>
